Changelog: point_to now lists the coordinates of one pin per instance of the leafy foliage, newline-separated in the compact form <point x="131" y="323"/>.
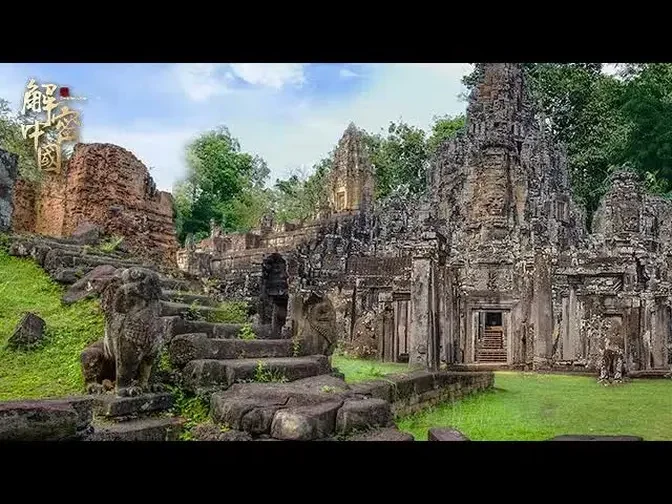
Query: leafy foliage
<point x="193" y="408"/>
<point x="228" y="312"/>
<point x="444" y="128"/>
<point x="223" y="184"/>
<point x="400" y="158"/>
<point x="247" y="333"/>
<point x="264" y="374"/>
<point x="301" y="196"/>
<point x="12" y="140"/>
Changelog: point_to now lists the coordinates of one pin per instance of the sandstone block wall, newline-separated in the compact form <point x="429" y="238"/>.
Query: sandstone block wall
<point x="412" y="392"/>
<point x="108" y="186"/>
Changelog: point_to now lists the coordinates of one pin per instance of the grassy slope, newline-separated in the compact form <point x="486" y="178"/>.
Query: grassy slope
<point x="53" y="369"/>
<point x="526" y="406"/>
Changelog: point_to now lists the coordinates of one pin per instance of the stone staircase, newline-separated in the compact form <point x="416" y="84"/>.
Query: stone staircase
<point x="264" y="388"/>
<point x="491" y="348"/>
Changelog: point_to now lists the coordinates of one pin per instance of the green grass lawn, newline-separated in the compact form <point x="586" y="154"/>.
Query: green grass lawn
<point x="531" y="407"/>
<point x="52" y="369"/>
<point x="361" y="370"/>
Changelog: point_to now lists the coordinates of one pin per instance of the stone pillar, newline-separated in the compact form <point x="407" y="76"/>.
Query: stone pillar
<point x="543" y="311"/>
<point x="8" y="174"/>
<point x="425" y="333"/>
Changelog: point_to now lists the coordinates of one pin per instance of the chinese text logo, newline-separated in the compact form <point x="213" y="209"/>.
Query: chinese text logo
<point x="50" y="124"/>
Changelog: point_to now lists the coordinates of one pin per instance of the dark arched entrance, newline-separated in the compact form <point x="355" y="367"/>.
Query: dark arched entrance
<point x="273" y="294"/>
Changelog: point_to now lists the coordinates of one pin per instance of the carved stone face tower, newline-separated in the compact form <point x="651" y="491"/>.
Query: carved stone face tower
<point x="351" y="182"/>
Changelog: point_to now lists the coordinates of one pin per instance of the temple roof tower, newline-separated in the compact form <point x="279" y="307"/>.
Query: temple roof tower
<point x="351" y="181"/>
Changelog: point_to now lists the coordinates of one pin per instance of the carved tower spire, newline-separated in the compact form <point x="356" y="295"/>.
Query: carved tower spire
<point x="351" y="179"/>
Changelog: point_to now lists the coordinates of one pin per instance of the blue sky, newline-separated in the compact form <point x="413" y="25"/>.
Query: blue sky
<point x="290" y="114"/>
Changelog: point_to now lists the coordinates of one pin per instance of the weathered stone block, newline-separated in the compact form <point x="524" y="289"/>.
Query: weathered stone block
<point x="380" y="389"/>
<point x="305" y="423"/>
<point x="91" y="284"/>
<point x="445" y="434"/>
<point x="146" y="429"/>
<point x="28" y="333"/>
<point x="37" y="421"/>
<point x="188" y="347"/>
<point x="83" y="406"/>
<point x="363" y="414"/>
<point x="113" y="406"/>
<point x="86" y="233"/>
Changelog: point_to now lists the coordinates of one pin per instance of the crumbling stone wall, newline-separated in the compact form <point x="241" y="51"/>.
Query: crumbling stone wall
<point x="8" y="173"/>
<point x="108" y="186"/>
<point x="23" y="199"/>
<point x="618" y="285"/>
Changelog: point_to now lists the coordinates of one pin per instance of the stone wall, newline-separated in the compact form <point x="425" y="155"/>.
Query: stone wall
<point x="412" y="392"/>
<point x="8" y="175"/>
<point x="618" y="287"/>
<point x="108" y="186"/>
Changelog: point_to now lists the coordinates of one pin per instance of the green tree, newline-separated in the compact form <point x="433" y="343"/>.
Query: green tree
<point x="400" y="158"/>
<point x="444" y="128"/>
<point x="301" y="196"/>
<point x="647" y="109"/>
<point x="222" y="183"/>
<point x="12" y="140"/>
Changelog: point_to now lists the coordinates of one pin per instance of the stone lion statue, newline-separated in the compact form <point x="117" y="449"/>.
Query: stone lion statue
<point x="97" y="368"/>
<point x="133" y="328"/>
<point x="315" y="320"/>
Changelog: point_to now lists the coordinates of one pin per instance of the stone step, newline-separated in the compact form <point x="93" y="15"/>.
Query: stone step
<point x="27" y="243"/>
<point x="651" y="373"/>
<point x="177" y="296"/>
<point x="176" y="325"/>
<point x="487" y="355"/>
<point x="144" y="429"/>
<point x="189" y="347"/>
<point x="174" y="284"/>
<point x="111" y="406"/>
<point x="171" y="309"/>
<point x="209" y="374"/>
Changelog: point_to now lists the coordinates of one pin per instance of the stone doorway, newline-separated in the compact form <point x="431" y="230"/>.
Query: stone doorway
<point x="491" y="341"/>
<point x="274" y="294"/>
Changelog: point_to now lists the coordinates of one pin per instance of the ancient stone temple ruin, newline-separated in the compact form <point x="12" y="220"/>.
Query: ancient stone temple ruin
<point x="492" y="265"/>
<point x="105" y="185"/>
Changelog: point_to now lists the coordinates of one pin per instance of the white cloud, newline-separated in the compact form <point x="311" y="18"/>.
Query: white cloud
<point x="289" y="132"/>
<point x="199" y="81"/>
<point x="346" y="73"/>
<point x="274" y="75"/>
<point x="161" y="150"/>
<point x="411" y="92"/>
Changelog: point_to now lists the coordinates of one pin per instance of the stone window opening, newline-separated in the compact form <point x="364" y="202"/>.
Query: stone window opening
<point x="340" y="200"/>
